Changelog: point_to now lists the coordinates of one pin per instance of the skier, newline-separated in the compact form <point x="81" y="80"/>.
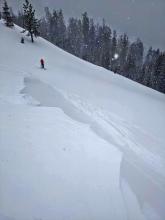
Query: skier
<point x="42" y="64"/>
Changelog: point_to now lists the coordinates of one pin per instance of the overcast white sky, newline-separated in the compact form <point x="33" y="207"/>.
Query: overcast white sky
<point x="138" y="18"/>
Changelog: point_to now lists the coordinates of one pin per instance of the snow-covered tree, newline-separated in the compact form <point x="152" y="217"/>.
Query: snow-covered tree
<point x="149" y="77"/>
<point x="31" y="24"/>
<point x="122" y="51"/>
<point x="92" y="41"/>
<point x="61" y="30"/>
<point x="74" y="37"/>
<point x="134" y="61"/>
<point x="113" y="51"/>
<point x="7" y="16"/>
<point x="105" y="46"/>
<point x="159" y="70"/>
<point x="85" y="31"/>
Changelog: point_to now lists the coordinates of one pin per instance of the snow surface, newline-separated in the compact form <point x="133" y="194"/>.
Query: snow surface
<point x="77" y="142"/>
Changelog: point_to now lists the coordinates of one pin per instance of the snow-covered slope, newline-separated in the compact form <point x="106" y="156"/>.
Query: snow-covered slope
<point x="77" y="142"/>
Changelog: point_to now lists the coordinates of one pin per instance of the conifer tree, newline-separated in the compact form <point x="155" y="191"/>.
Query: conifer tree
<point x="159" y="71"/>
<point x="161" y="77"/>
<point x="48" y="26"/>
<point x="85" y="31"/>
<point x="113" y="51"/>
<point x="105" y="46"/>
<point x="92" y="41"/>
<point x="147" y="69"/>
<point x="19" y="20"/>
<point x="74" y="37"/>
<point x="134" y="61"/>
<point x="98" y="45"/>
<point x="61" y="30"/>
<point x="7" y="16"/>
<point x="123" y="46"/>
<point x="85" y="26"/>
<point x="31" y="24"/>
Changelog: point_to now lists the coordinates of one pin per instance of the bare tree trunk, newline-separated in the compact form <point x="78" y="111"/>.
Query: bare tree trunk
<point x="31" y="34"/>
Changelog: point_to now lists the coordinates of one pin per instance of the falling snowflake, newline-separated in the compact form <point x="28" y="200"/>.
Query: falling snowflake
<point x="116" y="56"/>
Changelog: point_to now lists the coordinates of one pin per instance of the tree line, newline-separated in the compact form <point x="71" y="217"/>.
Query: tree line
<point x="98" y="44"/>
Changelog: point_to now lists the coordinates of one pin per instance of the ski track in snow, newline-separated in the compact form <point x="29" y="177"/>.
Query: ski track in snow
<point x="102" y="124"/>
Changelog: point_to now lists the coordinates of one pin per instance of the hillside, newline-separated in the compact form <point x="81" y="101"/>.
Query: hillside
<point x="77" y="142"/>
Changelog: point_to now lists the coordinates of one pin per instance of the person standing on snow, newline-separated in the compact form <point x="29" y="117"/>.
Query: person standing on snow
<point x="42" y="64"/>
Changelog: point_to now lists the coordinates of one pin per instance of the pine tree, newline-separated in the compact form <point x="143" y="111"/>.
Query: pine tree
<point x="139" y="60"/>
<point x="161" y="77"/>
<point x="122" y="50"/>
<point x="43" y="29"/>
<point x="92" y="41"/>
<point x="85" y="31"/>
<point x="25" y="9"/>
<point x="51" y="25"/>
<point x="149" y="66"/>
<point x="20" y="19"/>
<point x="54" y="27"/>
<point x="31" y="24"/>
<point x="133" y="67"/>
<point x="85" y="26"/>
<point x="113" y="51"/>
<point x="147" y="69"/>
<point x="98" y="45"/>
<point x="105" y="46"/>
<point x="61" y="30"/>
<point x="48" y="14"/>
<point x="71" y="43"/>
<point x="159" y="70"/>
<point x="130" y="65"/>
<point x="74" y="37"/>
<point x="7" y="16"/>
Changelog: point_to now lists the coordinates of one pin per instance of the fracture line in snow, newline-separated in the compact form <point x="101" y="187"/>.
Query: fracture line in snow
<point x="104" y="127"/>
